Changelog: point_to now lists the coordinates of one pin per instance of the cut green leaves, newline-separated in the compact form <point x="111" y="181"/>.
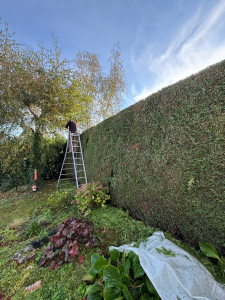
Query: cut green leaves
<point x="209" y="250"/>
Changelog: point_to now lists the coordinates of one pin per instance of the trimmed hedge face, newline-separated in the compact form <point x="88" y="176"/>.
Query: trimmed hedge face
<point x="163" y="158"/>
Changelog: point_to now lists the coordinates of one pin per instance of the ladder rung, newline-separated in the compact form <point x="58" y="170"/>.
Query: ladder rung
<point x="67" y="174"/>
<point x="80" y="177"/>
<point x="72" y="168"/>
<point x="80" y="171"/>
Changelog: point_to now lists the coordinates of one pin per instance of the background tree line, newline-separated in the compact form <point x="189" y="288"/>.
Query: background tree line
<point x="40" y="91"/>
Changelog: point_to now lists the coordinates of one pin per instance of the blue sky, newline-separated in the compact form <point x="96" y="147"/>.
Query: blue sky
<point x="162" y="41"/>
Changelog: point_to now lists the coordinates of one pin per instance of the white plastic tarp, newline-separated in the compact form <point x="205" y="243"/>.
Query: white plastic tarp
<point x="176" y="274"/>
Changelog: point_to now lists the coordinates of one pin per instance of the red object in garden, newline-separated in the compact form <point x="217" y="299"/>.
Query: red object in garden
<point x="35" y="174"/>
<point x="34" y="186"/>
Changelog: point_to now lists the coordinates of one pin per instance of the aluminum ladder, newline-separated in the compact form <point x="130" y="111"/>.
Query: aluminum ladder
<point x="73" y="168"/>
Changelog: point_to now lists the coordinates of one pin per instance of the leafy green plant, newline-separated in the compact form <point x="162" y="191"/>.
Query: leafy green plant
<point x="36" y="223"/>
<point x="119" y="277"/>
<point x="210" y="251"/>
<point x="91" y="195"/>
<point x="61" y="198"/>
<point x="65" y="244"/>
<point x="33" y="227"/>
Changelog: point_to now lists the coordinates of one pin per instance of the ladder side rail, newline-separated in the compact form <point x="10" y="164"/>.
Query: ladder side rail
<point x="76" y="134"/>
<point x="75" y="169"/>
<point x="62" y="163"/>
<point x="82" y="159"/>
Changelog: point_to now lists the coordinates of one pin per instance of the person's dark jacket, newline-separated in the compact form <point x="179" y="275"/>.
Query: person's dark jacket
<point x="72" y="126"/>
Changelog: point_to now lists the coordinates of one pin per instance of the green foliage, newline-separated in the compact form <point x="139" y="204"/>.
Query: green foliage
<point x="165" y="251"/>
<point x="12" y="170"/>
<point x="61" y="198"/>
<point x="36" y="223"/>
<point x="39" y="89"/>
<point x="210" y="251"/>
<point x="106" y="90"/>
<point x="116" y="226"/>
<point x="81" y="289"/>
<point x="23" y="203"/>
<point x="90" y="196"/>
<point x="33" y="227"/>
<point x="52" y="156"/>
<point x="163" y="158"/>
<point x="7" y="236"/>
<point x="46" y="216"/>
<point x="118" y="277"/>
<point x="45" y="155"/>
<point x="36" y="151"/>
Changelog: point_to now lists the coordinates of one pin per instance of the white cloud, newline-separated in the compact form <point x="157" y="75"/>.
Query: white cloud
<point x="196" y="47"/>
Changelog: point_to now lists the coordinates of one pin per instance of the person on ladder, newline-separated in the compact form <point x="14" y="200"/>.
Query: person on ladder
<point x="72" y="126"/>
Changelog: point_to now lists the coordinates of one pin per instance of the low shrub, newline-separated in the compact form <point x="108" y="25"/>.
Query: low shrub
<point x="91" y="195"/>
<point x="61" y="198"/>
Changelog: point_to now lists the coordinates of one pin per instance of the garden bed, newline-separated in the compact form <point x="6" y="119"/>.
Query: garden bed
<point x="31" y="217"/>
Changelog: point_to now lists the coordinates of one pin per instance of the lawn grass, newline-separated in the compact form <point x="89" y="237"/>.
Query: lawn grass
<point x="112" y="226"/>
<point x="21" y="203"/>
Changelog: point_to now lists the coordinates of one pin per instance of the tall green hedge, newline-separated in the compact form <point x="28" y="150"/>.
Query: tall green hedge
<point x="163" y="158"/>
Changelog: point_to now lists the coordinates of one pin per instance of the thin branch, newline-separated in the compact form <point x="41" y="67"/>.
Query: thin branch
<point x="33" y="113"/>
